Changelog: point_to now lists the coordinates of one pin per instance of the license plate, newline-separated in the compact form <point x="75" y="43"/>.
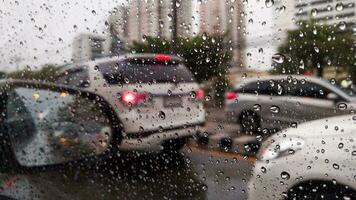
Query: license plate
<point x="172" y="101"/>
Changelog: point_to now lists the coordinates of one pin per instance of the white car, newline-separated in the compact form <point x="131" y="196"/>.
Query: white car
<point x="155" y="96"/>
<point x="315" y="160"/>
<point x="277" y="102"/>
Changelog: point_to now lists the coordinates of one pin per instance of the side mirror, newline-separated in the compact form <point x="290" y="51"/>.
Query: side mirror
<point x="48" y="125"/>
<point x="332" y="97"/>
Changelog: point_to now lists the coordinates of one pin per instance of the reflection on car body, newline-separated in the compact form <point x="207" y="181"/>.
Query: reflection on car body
<point x="284" y="101"/>
<point x="310" y="161"/>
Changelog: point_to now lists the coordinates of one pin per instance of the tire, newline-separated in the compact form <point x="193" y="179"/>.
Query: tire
<point x="250" y="122"/>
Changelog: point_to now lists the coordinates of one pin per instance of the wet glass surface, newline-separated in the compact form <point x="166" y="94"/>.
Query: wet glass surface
<point x="178" y="99"/>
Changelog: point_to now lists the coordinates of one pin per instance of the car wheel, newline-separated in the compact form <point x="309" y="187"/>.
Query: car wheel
<point x="250" y="122"/>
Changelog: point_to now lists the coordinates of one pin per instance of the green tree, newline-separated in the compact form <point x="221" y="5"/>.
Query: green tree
<point x="46" y="73"/>
<point x="313" y="47"/>
<point x="206" y="56"/>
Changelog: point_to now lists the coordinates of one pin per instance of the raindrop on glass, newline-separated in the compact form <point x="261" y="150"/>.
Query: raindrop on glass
<point x="162" y="115"/>
<point x="274" y="109"/>
<point x="269" y="3"/>
<point x="278" y="58"/>
<point x="285" y="175"/>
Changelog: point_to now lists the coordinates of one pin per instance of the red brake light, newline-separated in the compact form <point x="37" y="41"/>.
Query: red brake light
<point x="131" y="98"/>
<point x="200" y="95"/>
<point x="162" y="58"/>
<point x="231" y="95"/>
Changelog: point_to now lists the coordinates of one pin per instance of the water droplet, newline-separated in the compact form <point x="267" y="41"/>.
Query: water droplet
<point x="339" y="7"/>
<point x="291" y="151"/>
<point x="93" y="12"/>
<point x="263" y="170"/>
<point x="204" y="36"/>
<point x="193" y="95"/>
<point x="36" y="96"/>
<point x="301" y="34"/>
<point x="285" y="175"/>
<point x="162" y="115"/>
<point x="257" y="107"/>
<point x="333" y="81"/>
<point x="269" y="3"/>
<point x="281" y="9"/>
<point x="341" y="145"/>
<point x="316" y="49"/>
<point x="342" y="25"/>
<point x="207" y="98"/>
<point x="274" y="109"/>
<point x="329" y="7"/>
<point x="336" y="166"/>
<point x="342" y="106"/>
<point x="278" y="58"/>
<point x="314" y="12"/>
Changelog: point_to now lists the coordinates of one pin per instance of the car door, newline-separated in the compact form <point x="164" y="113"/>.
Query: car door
<point x="311" y="102"/>
<point x="278" y="108"/>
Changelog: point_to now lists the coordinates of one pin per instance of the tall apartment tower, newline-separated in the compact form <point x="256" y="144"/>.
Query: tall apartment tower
<point x="153" y="18"/>
<point x="327" y="11"/>
<point x="224" y="17"/>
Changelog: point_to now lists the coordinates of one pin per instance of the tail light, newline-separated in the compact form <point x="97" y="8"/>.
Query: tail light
<point x="162" y="58"/>
<point x="231" y="95"/>
<point x="132" y="98"/>
<point x="200" y="95"/>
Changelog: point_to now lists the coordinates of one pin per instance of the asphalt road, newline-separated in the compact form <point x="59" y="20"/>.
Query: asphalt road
<point x="196" y="173"/>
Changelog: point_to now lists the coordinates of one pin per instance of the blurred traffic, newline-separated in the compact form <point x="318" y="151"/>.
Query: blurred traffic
<point x="177" y="99"/>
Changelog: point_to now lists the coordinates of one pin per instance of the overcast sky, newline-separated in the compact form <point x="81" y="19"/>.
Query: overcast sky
<point x="41" y="31"/>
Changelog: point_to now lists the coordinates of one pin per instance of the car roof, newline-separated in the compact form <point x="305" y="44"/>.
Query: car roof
<point x="118" y="58"/>
<point x="281" y="77"/>
<point x="317" y="128"/>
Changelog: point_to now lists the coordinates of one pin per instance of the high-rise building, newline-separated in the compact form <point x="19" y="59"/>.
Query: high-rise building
<point x="224" y="17"/>
<point x="152" y="18"/>
<point x="89" y="47"/>
<point x="213" y="16"/>
<point x="327" y="11"/>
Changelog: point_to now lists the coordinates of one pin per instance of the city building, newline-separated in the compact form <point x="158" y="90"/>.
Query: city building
<point x="225" y="17"/>
<point x="89" y="47"/>
<point x="327" y="11"/>
<point x="118" y="21"/>
<point x="151" y="18"/>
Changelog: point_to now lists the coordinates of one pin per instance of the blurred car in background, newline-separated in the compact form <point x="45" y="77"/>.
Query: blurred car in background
<point x="277" y="102"/>
<point x="314" y="161"/>
<point x="155" y="96"/>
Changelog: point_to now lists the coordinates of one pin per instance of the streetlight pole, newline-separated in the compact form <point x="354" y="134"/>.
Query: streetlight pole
<point x="174" y="24"/>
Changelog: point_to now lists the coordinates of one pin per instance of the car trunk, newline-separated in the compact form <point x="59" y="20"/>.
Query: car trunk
<point x="158" y="95"/>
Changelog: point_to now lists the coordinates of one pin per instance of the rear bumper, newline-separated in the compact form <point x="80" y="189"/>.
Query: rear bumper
<point x="153" y="141"/>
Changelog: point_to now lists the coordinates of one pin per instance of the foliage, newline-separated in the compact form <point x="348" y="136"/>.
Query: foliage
<point x="206" y="56"/>
<point x="313" y="47"/>
<point x="46" y="73"/>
